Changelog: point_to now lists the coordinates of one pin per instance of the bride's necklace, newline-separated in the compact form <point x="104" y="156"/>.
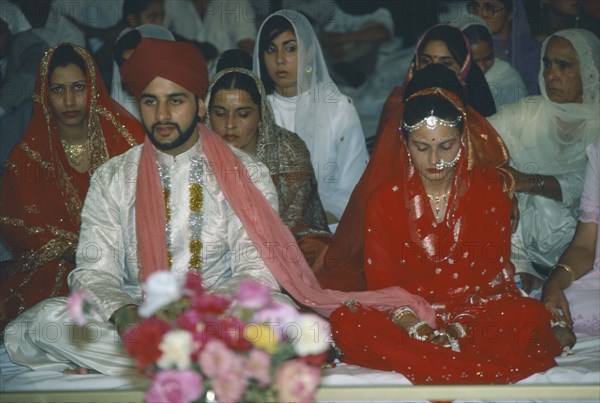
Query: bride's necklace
<point x="75" y="152"/>
<point x="437" y="201"/>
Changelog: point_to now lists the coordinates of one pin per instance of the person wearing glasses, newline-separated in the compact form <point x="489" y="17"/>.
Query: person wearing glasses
<point x="513" y="42"/>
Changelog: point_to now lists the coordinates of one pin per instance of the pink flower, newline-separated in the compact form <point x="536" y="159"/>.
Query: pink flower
<point x="258" y="366"/>
<point x="279" y="316"/>
<point x="230" y="388"/>
<point x="175" y="387"/>
<point x="252" y="295"/>
<point x="297" y="382"/>
<point x="80" y="306"/>
<point x="216" y="360"/>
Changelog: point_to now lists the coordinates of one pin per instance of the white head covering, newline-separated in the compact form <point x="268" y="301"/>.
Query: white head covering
<point x="117" y="92"/>
<point x="587" y="47"/>
<point x="314" y="83"/>
<point x="568" y="127"/>
<point x="312" y="69"/>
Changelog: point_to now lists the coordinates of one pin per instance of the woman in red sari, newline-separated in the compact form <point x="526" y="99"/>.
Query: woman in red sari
<point x="439" y="226"/>
<point x="75" y="128"/>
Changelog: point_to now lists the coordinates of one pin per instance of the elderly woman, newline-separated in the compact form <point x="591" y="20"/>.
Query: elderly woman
<point x="547" y="136"/>
<point x="75" y="128"/>
<point x="239" y="112"/>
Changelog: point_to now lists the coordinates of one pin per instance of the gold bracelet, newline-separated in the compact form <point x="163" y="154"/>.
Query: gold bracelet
<point x="567" y="268"/>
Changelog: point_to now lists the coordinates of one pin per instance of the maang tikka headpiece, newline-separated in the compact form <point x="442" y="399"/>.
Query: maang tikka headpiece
<point x="432" y="122"/>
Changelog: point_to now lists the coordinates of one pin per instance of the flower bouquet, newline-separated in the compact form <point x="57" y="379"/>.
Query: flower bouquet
<point x="200" y="346"/>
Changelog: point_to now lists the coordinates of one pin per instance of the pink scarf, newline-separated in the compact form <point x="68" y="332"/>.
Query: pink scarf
<point x="264" y="228"/>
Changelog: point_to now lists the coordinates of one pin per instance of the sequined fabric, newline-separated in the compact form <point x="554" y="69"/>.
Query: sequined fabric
<point x="42" y="195"/>
<point x="460" y="266"/>
<point x="288" y="160"/>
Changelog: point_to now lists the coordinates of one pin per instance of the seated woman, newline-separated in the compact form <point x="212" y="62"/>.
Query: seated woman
<point x="572" y="293"/>
<point x="240" y="113"/>
<point x="446" y="45"/>
<point x="289" y="61"/>
<point x="546" y="136"/>
<point x="75" y="128"/>
<point x="505" y="82"/>
<point x="342" y="267"/>
<point x="440" y="229"/>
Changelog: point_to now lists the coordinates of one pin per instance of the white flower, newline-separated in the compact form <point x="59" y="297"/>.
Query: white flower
<point x="176" y="347"/>
<point x="311" y="335"/>
<point x="161" y="288"/>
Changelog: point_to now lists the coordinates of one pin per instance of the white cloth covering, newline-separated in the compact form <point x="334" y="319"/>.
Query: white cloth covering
<point x="226" y="22"/>
<point x="584" y="294"/>
<point x="504" y="80"/>
<point x="548" y="138"/>
<point x="324" y="118"/>
<point x="44" y="338"/>
<point x="505" y="83"/>
<point x="581" y="368"/>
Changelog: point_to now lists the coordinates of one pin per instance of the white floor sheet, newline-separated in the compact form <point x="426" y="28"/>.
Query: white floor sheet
<point x="580" y="368"/>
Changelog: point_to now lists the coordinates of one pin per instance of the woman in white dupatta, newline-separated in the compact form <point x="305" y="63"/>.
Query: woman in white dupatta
<point x="547" y="136"/>
<point x="305" y="100"/>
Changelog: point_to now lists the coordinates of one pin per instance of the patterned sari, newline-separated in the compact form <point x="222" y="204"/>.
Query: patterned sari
<point x="42" y="195"/>
<point x="460" y="266"/>
<point x="288" y="160"/>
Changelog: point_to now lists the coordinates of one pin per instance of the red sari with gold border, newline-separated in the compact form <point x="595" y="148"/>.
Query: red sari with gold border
<point x="42" y="195"/>
<point x="460" y="266"/>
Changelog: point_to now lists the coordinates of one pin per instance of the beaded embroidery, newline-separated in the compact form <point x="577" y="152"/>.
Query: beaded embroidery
<point x="196" y="203"/>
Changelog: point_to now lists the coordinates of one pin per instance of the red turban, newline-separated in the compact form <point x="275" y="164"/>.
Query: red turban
<point x="179" y="62"/>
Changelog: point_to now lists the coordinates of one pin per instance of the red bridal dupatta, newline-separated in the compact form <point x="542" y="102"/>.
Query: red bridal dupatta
<point x="42" y="195"/>
<point x="263" y="225"/>
<point x="460" y="266"/>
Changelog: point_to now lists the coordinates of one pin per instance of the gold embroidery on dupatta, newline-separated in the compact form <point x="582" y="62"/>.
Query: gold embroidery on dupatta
<point x="34" y="155"/>
<point x="118" y="125"/>
<point x="32" y="209"/>
<point x="33" y="260"/>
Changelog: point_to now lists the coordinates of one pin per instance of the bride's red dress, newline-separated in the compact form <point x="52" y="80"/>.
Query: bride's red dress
<point x="461" y="267"/>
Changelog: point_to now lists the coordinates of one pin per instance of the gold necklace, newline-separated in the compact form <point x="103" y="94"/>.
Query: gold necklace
<point x="75" y="152"/>
<point x="437" y="200"/>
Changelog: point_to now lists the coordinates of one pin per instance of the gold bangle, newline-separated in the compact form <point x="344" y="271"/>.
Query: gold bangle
<point x="568" y="269"/>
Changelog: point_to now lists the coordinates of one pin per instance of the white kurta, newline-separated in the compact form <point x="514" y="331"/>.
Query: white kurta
<point x="337" y="147"/>
<point x="108" y="265"/>
<point x="226" y="22"/>
<point x="546" y="226"/>
<point x="505" y="83"/>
